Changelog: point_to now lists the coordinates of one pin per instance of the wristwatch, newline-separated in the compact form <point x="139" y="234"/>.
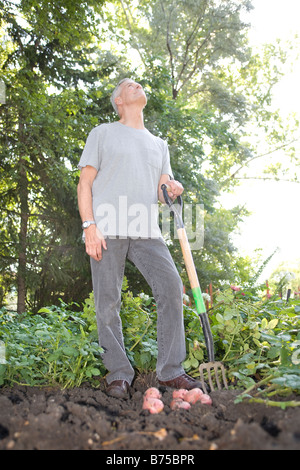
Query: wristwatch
<point x="87" y="223"/>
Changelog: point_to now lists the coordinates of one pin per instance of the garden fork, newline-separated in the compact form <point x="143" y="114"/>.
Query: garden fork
<point x="213" y="370"/>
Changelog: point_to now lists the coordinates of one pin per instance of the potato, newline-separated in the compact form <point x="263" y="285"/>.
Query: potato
<point x="154" y="405"/>
<point x="180" y="393"/>
<point x="152" y="392"/>
<point x="178" y="403"/>
<point x="194" y="395"/>
<point x="205" y="399"/>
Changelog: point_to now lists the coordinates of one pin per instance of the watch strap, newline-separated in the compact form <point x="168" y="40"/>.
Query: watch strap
<point x="87" y="223"/>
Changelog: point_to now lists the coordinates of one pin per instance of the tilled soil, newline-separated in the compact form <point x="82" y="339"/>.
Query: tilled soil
<point x="86" y="418"/>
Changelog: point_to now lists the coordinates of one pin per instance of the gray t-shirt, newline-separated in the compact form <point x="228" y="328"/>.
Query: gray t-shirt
<point x="130" y="163"/>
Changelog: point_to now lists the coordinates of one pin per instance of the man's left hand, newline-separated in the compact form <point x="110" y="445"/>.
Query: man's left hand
<point x="176" y="188"/>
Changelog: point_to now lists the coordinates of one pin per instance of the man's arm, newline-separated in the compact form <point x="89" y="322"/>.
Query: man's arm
<point x="176" y="188"/>
<point x="94" y="241"/>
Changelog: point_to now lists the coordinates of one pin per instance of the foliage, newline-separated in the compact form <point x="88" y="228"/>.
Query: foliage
<point x="257" y="339"/>
<point x="53" y="347"/>
<point x="192" y="37"/>
<point x="287" y="276"/>
<point x="198" y="53"/>
<point x="47" y="65"/>
<point x="138" y="315"/>
<point x="208" y="93"/>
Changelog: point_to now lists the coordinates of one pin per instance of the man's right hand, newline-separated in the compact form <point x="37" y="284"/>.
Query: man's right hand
<point x="94" y="242"/>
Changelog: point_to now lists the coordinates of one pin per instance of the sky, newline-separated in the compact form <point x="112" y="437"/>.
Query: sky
<point x="275" y="206"/>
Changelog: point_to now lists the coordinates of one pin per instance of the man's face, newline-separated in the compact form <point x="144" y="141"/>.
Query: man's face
<point x="132" y="93"/>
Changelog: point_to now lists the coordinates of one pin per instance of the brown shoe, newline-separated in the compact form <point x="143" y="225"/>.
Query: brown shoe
<point x="183" y="381"/>
<point x="118" y="389"/>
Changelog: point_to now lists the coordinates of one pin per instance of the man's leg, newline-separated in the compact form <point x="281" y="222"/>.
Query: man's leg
<point x="153" y="259"/>
<point x="107" y="277"/>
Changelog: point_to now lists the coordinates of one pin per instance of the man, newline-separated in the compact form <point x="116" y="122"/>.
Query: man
<point x="122" y="169"/>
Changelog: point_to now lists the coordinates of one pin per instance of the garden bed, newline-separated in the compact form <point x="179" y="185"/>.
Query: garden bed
<point x="86" y="418"/>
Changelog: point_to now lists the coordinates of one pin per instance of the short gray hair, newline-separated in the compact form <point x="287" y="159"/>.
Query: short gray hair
<point x="116" y="93"/>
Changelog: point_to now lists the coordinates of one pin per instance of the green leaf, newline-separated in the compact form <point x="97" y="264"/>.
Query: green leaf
<point x="273" y="352"/>
<point x="290" y="380"/>
<point x="194" y="362"/>
<point x="95" y="371"/>
<point x="273" y="323"/>
<point x="44" y="310"/>
<point x="187" y="364"/>
<point x="69" y="351"/>
<point x="198" y="353"/>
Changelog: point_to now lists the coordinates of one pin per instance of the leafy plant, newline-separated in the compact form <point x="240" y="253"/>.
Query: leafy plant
<point x="54" y="347"/>
<point x="138" y="316"/>
<point x="257" y="339"/>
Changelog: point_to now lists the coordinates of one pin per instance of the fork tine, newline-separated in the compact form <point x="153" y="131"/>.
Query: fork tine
<point x="217" y="376"/>
<point x="219" y="373"/>
<point x="210" y="379"/>
<point x="224" y="377"/>
<point x="201" y="370"/>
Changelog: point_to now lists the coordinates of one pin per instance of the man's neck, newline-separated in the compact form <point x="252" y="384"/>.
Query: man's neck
<point x="135" y="120"/>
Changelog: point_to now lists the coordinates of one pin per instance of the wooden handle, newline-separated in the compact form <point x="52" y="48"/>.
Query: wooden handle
<point x="188" y="258"/>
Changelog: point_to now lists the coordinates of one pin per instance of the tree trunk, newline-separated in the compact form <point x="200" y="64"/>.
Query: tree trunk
<point x="23" y="198"/>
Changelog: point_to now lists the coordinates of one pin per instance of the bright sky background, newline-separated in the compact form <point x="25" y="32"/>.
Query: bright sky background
<point x="275" y="206"/>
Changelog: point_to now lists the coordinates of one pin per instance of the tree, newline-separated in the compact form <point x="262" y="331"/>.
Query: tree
<point x="286" y="276"/>
<point x="59" y="62"/>
<point x="46" y="44"/>
<point x="207" y="93"/>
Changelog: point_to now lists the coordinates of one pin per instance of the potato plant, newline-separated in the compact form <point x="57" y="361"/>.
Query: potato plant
<point x="258" y="340"/>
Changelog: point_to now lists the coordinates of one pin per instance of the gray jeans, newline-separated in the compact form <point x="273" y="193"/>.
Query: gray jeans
<point x="153" y="259"/>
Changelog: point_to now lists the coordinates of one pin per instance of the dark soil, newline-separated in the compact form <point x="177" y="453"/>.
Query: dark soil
<point x="86" y="418"/>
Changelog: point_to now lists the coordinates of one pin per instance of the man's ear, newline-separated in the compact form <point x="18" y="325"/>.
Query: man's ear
<point x="118" y="100"/>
